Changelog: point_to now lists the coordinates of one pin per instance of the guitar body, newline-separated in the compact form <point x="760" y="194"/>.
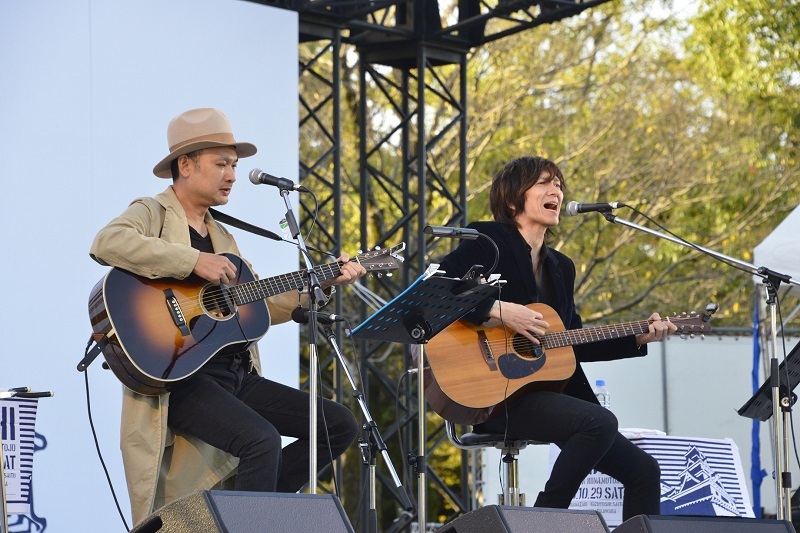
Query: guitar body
<point x="474" y="369"/>
<point x="162" y="331"/>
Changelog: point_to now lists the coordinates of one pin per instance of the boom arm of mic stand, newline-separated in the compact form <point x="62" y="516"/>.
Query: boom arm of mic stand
<point x="762" y="272"/>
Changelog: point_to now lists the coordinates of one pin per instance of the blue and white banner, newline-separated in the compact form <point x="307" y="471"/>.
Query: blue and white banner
<point x="17" y="422"/>
<point x="698" y="477"/>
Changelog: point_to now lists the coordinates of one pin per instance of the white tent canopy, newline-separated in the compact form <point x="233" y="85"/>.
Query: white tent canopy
<point x="780" y="251"/>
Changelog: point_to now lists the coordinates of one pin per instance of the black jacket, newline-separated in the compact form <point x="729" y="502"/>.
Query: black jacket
<point x="516" y="268"/>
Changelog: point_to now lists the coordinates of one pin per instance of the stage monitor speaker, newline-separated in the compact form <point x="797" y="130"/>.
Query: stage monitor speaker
<point x="248" y="512"/>
<point x="702" y="524"/>
<point x="507" y="519"/>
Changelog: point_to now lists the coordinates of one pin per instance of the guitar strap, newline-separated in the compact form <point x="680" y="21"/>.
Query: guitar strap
<point x="90" y="355"/>
<point x="246" y="226"/>
<point x="241" y="224"/>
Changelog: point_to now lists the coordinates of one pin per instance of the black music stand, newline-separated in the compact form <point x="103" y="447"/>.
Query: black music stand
<point x="415" y="316"/>
<point x="761" y="406"/>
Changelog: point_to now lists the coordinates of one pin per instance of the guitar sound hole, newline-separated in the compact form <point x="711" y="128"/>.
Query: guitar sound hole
<point x="217" y="302"/>
<point x="525" y="348"/>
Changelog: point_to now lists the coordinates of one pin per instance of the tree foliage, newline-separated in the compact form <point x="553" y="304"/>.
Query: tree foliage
<point x="630" y="114"/>
<point x="690" y="117"/>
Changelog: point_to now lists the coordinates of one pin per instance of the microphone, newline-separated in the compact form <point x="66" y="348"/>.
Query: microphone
<point x="47" y="394"/>
<point x="301" y="314"/>
<point x="574" y="208"/>
<point x="258" y="176"/>
<point x="458" y="233"/>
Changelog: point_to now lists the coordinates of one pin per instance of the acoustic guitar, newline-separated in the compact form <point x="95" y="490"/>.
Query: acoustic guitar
<point x="473" y="369"/>
<point x="161" y="331"/>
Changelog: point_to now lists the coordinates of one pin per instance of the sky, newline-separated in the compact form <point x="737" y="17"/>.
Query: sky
<point x="88" y="89"/>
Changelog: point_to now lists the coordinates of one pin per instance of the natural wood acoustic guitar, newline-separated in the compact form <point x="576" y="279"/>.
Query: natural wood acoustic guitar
<point x="474" y="369"/>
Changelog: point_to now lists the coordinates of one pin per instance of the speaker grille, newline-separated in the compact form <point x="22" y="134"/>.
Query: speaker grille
<point x="246" y="512"/>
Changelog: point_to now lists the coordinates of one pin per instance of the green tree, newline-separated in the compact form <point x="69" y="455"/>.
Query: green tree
<point x="691" y="119"/>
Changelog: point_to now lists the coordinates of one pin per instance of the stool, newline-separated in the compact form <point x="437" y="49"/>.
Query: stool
<point x="509" y="447"/>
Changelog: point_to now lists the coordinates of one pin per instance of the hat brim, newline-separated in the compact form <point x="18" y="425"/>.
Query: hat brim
<point x="163" y="170"/>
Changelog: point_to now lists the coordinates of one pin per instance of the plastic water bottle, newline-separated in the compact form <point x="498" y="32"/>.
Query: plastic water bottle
<point x="603" y="396"/>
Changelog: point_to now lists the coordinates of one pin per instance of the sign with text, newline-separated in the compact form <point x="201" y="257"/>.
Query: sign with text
<point x="17" y="421"/>
<point x="698" y="477"/>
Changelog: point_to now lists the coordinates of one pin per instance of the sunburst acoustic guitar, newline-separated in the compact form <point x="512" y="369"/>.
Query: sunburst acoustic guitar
<point x="161" y="331"/>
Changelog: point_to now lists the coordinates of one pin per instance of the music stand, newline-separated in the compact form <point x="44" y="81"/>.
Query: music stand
<point x="760" y="406"/>
<point x="415" y="316"/>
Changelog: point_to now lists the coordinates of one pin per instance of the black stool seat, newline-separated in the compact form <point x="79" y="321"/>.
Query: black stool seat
<point x="496" y="440"/>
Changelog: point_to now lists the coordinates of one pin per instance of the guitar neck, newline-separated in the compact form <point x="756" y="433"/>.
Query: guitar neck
<point x="557" y="339"/>
<point x="264" y="288"/>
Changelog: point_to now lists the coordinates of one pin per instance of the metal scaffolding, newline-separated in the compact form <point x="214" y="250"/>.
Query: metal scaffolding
<point x="412" y="112"/>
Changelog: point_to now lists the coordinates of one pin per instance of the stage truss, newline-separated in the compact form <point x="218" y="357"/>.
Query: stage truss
<point x="410" y="63"/>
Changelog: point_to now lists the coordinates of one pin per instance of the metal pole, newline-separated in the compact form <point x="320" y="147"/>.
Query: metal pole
<point x="421" y="459"/>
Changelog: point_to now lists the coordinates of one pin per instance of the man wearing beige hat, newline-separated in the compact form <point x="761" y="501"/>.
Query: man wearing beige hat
<point x="224" y="419"/>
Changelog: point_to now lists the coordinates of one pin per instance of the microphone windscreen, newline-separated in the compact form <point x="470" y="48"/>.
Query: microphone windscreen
<point x="300" y="315"/>
<point x="254" y="175"/>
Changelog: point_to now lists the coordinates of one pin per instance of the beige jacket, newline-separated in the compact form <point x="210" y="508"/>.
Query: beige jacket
<point x="151" y="239"/>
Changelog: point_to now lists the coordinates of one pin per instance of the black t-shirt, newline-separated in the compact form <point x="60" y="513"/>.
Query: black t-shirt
<point x="230" y="360"/>
<point x="201" y="243"/>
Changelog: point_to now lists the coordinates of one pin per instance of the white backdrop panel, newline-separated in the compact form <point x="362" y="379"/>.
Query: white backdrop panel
<point x="88" y="89"/>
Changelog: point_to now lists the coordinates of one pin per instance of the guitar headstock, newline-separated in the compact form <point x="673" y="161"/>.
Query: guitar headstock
<point x="694" y="323"/>
<point x="383" y="260"/>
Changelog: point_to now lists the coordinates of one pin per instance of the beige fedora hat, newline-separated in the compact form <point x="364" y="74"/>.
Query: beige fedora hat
<point x="196" y="129"/>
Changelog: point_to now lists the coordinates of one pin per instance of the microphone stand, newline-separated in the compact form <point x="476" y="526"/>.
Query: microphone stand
<point x="315" y="295"/>
<point x="781" y="400"/>
<point x="375" y="443"/>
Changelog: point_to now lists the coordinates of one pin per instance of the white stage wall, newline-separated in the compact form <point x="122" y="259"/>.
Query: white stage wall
<point x="87" y="90"/>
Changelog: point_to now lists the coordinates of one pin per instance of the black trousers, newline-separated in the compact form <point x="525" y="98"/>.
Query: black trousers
<point x="245" y="415"/>
<point x="588" y="437"/>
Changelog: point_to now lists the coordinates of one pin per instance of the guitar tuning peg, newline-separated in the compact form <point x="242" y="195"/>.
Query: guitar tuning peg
<point x="389" y="274"/>
<point x="359" y="252"/>
<point x="378" y="275"/>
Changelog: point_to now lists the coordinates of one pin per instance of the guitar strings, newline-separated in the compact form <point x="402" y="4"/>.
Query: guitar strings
<point x="558" y="339"/>
<point x="283" y="282"/>
<point x="216" y="295"/>
<point x="274" y="285"/>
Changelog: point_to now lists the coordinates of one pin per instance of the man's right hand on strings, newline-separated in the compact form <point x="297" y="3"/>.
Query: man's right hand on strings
<point x="217" y="269"/>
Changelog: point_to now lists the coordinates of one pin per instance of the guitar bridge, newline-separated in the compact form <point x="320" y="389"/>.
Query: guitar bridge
<point x="176" y="312"/>
<point x="486" y="350"/>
